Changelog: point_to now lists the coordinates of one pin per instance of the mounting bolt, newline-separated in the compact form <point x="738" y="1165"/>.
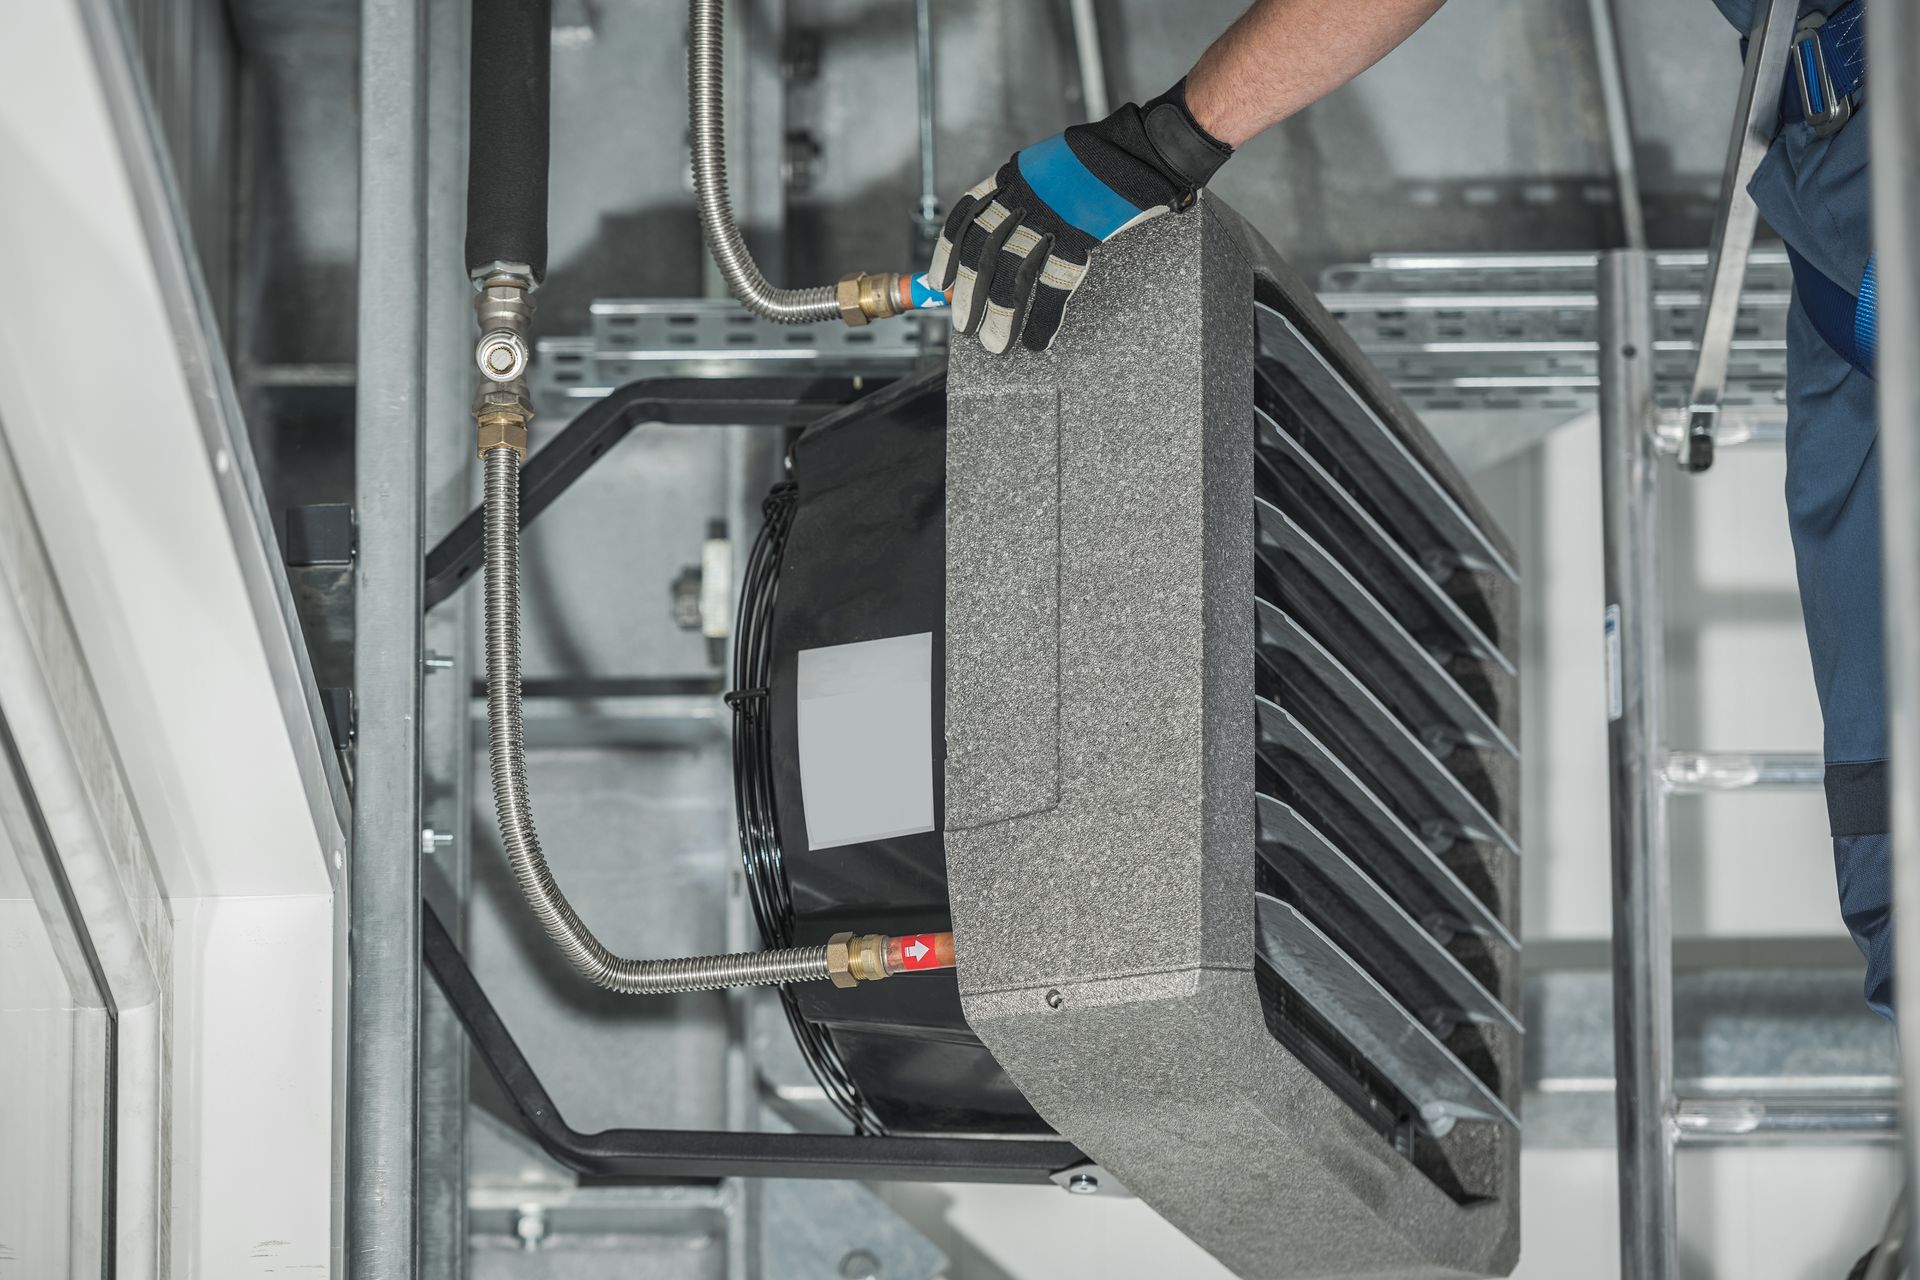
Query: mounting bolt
<point x="1083" y="1184"/>
<point x="1055" y="999"/>
<point x="860" y="1265"/>
<point x="431" y="839"/>
<point x="685" y="593"/>
<point x="531" y="1226"/>
<point x="436" y="661"/>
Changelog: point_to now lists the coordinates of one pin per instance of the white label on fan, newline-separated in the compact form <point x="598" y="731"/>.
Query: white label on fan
<point x="866" y="740"/>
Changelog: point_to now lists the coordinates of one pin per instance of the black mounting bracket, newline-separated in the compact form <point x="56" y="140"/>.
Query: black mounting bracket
<point x="684" y="402"/>
<point x="697" y="1155"/>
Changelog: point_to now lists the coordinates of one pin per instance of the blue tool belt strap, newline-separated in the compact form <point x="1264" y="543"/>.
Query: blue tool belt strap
<point x="1829" y="68"/>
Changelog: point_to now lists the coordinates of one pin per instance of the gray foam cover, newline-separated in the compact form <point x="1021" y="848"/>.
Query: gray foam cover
<point x="1100" y="777"/>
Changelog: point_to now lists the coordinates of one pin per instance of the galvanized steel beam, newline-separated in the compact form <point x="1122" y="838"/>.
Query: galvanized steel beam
<point x="383" y="882"/>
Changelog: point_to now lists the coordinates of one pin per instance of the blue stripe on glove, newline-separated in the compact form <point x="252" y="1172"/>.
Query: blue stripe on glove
<point x="1071" y="190"/>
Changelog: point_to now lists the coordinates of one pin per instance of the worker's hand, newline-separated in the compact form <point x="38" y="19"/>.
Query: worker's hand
<point x="1016" y="247"/>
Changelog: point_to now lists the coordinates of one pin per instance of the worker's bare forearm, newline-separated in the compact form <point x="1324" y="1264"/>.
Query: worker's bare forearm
<point x="1283" y="55"/>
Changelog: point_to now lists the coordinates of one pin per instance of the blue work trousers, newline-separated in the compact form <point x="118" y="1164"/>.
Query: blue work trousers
<point x="1814" y="192"/>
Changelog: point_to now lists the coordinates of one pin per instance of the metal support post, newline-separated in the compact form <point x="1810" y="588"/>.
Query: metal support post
<point x="1636" y="752"/>
<point x="1613" y="93"/>
<point x="1733" y="226"/>
<point x="1894" y="53"/>
<point x="446" y="736"/>
<point x="927" y="214"/>
<point x="383" y="875"/>
<point x="1092" y="59"/>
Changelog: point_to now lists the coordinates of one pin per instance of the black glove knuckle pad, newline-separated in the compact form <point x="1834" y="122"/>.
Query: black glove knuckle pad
<point x="983" y="256"/>
<point x="952" y="235"/>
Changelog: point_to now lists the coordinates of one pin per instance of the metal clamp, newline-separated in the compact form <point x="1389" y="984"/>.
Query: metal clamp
<point x="1826" y="110"/>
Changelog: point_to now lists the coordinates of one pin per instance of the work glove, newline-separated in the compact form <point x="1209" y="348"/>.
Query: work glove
<point x="1026" y="235"/>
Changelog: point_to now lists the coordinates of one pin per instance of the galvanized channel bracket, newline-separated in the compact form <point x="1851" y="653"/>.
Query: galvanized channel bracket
<point x="1519" y="333"/>
<point x="647" y="338"/>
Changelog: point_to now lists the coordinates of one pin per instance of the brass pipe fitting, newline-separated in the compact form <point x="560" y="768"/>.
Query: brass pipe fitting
<point x="840" y="960"/>
<point x="504" y="308"/>
<point x="864" y="297"/>
<point x="497" y="433"/>
<point x="502" y="407"/>
<point x="500" y="416"/>
<point x="870" y="957"/>
<point x="853" y="959"/>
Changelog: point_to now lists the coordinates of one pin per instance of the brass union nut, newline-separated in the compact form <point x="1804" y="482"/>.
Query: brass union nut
<point x="869" y="962"/>
<point x="502" y="429"/>
<point x="847" y="295"/>
<point x="872" y="296"/>
<point x="502" y="415"/>
<point x="880" y="295"/>
<point x="840" y="960"/>
<point x="852" y="960"/>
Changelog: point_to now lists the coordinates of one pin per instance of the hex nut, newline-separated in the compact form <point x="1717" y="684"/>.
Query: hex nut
<point x="846" y="295"/>
<point x="503" y="302"/>
<point x="840" y="960"/>
<point x="496" y="430"/>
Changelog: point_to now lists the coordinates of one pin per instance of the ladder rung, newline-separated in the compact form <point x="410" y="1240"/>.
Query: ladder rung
<point x="1862" y="1117"/>
<point x="1699" y="772"/>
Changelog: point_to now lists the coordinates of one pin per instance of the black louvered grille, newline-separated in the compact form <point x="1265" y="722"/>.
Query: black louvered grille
<point x="1386" y="779"/>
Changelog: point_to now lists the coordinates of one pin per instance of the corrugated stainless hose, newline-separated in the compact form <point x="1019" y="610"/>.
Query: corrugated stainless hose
<point x="706" y="23"/>
<point x="507" y="745"/>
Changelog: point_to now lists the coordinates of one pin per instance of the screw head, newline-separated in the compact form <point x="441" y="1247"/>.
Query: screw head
<point x="531" y="1226"/>
<point x="860" y="1265"/>
<point x="1055" y="999"/>
<point x="1083" y="1184"/>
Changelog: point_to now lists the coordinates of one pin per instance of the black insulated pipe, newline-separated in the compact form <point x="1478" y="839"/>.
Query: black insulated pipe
<point x="507" y="135"/>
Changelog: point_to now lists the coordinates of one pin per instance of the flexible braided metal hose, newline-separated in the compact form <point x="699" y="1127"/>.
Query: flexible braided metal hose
<point x="507" y="746"/>
<point x="706" y="25"/>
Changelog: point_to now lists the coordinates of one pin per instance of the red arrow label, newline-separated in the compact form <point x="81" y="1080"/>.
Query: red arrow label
<point x="917" y="951"/>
